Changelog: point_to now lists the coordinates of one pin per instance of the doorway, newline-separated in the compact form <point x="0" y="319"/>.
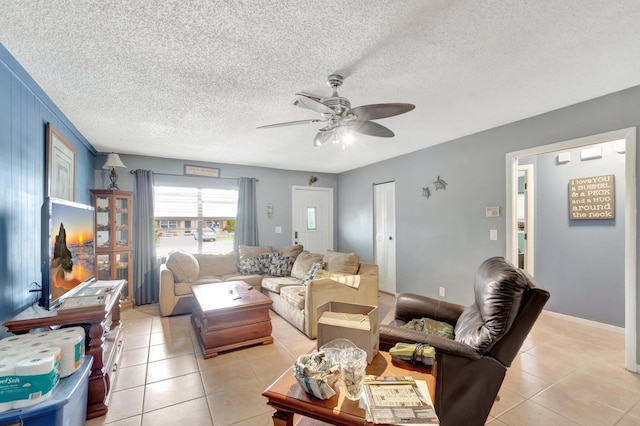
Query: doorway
<point x="312" y="218"/>
<point x="384" y="217"/>
<point x="525" y="216"/>
<point x="630" y="218"/>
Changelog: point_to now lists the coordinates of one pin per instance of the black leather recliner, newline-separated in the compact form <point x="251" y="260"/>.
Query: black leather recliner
<point x="488" y="336"/>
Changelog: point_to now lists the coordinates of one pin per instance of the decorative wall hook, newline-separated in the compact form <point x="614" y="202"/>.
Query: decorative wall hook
<point x="270" y="210"/>
<point x="426" y="192"/>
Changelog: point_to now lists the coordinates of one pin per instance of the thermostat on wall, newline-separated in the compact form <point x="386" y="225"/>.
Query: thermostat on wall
<point x="493" y="212"/>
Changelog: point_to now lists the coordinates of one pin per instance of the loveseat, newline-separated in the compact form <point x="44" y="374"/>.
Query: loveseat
<point x="297" y="282"/>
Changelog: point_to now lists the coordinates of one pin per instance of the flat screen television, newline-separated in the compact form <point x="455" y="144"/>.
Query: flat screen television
<point x="68" y="249"/>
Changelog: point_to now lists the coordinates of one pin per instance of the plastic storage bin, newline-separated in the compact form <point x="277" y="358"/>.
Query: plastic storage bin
<point x="66" y="407"/>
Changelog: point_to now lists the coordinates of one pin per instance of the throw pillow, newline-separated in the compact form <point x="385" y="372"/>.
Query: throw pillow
<point x="265" y="262"/>
<point x="345" y="263"/>
<point x="184" y="266"/>
<point x="250" y="266"/>
<point x="281" y="266"/>
<point x="431" y="326"/>
<point x="311" y="274"/>
<point x="303" y="264"/>
<point x="292" y="251"/>
<point x="245" y="252"/>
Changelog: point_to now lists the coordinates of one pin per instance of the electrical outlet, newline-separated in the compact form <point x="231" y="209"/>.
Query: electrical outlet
<point x="493" y="234"/>
<point x="442" y="292"/>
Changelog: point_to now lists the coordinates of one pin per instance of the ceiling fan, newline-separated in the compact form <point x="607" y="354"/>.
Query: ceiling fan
<point x="339" y="117"/>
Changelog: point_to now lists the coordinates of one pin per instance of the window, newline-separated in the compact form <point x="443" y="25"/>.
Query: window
<point x="197" y="220"/>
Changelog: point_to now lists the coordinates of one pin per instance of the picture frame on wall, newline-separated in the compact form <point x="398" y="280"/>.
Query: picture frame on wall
<point x="61" y="165"/>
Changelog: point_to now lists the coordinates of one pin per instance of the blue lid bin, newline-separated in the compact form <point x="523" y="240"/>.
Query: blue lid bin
<point x="66" y="407"/>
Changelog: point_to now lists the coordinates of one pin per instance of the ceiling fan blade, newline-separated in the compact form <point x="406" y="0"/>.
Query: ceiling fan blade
<point x="311" y="103"/>
<point x="375" y="111"/>
<point x="322" y="138"/>
<point x="370" y="128"/>
<point x="292" y="123"/>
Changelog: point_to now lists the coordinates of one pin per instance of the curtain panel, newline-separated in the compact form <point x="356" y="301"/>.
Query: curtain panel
<point x="246" y="232"/>
<point x="145" y="269"/>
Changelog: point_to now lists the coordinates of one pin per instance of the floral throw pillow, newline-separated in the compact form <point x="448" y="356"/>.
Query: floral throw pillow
<point x="312" y="272"/>
<point x="281" y="266"/>
<point x="250" y="266"/>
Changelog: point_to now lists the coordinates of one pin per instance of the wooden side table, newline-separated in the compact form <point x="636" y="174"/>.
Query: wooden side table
<point x="288" y="398"/>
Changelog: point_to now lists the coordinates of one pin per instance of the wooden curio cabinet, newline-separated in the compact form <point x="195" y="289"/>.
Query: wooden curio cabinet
<point x="113" y="239"/>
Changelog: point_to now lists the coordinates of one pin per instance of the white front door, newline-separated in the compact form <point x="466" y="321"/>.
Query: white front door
<point x="313" y="218"/>
<point x="384" y="201"/>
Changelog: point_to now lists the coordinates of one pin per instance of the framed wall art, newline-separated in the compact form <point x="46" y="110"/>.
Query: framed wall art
<point x="61" y="165"/>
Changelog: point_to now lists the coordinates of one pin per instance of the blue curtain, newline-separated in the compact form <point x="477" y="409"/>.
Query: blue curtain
<point x="246" y="232"/>
<point x="145" y="274"/>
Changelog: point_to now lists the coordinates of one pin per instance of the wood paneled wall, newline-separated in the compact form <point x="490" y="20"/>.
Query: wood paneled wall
<point x="24" y="111"/>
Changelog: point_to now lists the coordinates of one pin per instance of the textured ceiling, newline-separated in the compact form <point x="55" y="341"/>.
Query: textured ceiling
<point x="193" y="79"/>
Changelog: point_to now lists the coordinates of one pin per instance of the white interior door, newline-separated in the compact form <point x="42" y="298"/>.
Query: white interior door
<point x="384" y="200"/>
<point x="313" y="218"/>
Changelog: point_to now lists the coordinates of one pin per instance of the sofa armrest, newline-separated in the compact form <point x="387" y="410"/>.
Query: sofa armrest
<point x="409" y="306"/>
<point x="390" y="335"/>
<point x="320" y="291"/>
<point x="167" y="292"/>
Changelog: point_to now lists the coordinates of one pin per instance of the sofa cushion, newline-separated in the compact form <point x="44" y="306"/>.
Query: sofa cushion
<point x="252" y="280"/>
<point x="311" y="273"/>
<point x="183" y="266"/>
<point x="274" y="284"/>
<point x="499" y="288"/>
<point x="246" y="252"/>
<point x="217" y="264"/>
<point x="345" y="263"/>
<point x="294" y="295"/>
<point x="281" y="266"/>
<point x="250" y="266"/>
<point x="292" y="251"/>
<point x="303" y="263"/>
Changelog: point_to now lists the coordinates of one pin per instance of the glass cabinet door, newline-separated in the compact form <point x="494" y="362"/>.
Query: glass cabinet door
<point x="122" y="222"/>
<point x="104" y="267"/>
<point x="103" y="213"/>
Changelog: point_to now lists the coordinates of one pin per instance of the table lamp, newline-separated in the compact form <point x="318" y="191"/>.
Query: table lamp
<point x="113" y="162"/>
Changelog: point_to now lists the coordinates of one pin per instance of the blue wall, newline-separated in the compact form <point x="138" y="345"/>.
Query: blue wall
<point x="24" y="111"/>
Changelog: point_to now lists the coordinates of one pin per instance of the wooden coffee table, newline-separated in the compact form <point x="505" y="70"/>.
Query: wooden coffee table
<point x="288" y="398"/>
<point x="230" y="315"/>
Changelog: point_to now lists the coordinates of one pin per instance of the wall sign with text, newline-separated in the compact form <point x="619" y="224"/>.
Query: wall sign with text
<point x="190" y="170"/>
<point x="592" y="198"/>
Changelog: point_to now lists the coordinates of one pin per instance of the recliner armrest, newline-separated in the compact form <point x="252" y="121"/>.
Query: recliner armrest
<point x="410" y="306"/>
<point x="390" y="335"/>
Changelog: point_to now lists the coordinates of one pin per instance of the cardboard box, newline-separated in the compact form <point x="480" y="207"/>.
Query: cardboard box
<point x="358" y="323"/>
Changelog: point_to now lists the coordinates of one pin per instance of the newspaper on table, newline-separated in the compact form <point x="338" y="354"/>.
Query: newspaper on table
<point x="398" y="400"/>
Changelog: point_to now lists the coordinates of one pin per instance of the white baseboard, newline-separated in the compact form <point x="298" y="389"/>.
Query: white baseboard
<point x="600" y="325"/>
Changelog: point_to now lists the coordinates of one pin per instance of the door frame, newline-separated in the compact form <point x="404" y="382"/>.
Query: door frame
<point x="529" y="220"/>
<point x="629" y="134"/>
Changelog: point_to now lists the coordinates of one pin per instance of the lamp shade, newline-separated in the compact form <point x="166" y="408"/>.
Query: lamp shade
<point x="113" y="162"/>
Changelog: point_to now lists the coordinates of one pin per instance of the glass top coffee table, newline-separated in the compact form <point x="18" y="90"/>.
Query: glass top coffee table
<point x="288" y="398"/>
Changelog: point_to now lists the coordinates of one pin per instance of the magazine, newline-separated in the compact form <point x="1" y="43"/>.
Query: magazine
<point x="398" y="400"/>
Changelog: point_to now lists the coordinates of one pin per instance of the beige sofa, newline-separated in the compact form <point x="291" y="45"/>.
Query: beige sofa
<point x="343" y="279"/>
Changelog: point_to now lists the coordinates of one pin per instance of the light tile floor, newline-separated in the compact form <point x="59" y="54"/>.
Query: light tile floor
<point x="565" y="374"/>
